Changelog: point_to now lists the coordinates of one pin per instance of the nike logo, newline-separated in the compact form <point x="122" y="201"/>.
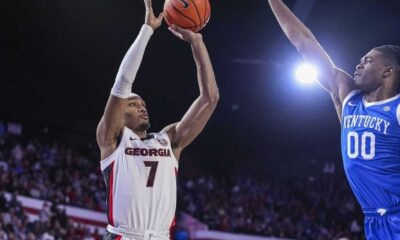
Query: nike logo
<point x="131" y="138"/>
<point x="185" y="4"/>
<point x="351" y="104"/>
<point x="381" y="211"/>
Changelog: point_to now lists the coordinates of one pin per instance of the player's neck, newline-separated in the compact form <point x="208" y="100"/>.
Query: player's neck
<point x="140" y="134"/>
<point x="380" y="94"/>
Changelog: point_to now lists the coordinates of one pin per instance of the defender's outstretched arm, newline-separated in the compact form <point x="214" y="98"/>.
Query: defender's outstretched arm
<point x="337" y="82"/>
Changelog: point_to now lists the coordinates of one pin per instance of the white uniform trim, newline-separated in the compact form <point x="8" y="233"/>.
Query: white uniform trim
<point x="369" y="104"/>
<point x="398" y="113"/>
<point x="138" y="234"/>
<point x="349" y="95"/>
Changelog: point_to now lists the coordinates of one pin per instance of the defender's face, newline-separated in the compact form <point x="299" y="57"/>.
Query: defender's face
<point x="136" y="116"/>
<point x="369" y="72"/>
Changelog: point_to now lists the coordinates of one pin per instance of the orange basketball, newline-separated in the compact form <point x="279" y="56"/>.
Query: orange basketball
<point x="188" y="14"/>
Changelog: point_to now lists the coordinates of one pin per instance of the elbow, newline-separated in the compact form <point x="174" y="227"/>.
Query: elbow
<point x="300" y="40"/>
<point x="211" y="99"/>
<point x="213" y="102"/>
<point x="215" y="97"/>
<point x="298" y="32"/>
<point x="122" y="76"/>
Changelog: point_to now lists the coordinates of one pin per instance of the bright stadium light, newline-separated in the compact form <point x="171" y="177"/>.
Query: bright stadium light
<point x="306" y="74"/>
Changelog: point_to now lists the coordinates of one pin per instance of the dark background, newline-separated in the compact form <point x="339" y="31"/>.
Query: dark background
<point x="58" y="61"/>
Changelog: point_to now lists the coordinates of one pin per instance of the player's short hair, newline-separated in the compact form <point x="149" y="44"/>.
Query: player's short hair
<point x="391" y="52"/>
<point x="134" y="95"/>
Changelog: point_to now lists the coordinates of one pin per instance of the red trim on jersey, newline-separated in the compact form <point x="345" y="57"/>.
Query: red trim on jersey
<point x="118" y="237"/>
<point x="173" y="223"/>
<point x="110" y="195"/>
<point x="172" y="229"/>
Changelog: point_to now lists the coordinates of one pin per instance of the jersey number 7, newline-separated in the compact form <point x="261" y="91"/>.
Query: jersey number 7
<point x="153" y="169"/>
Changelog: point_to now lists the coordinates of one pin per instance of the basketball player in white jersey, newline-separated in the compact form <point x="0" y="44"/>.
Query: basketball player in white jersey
<point x="140" y="168"/>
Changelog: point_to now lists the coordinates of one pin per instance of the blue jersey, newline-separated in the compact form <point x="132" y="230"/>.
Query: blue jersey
<point x="371" y="150"/>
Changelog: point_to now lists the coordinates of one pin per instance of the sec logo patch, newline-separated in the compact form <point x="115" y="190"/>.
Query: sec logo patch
<point x="162" y="141"/>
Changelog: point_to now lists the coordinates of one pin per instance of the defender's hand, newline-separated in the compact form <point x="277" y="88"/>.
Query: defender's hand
<point x="150" y="19"/>
<point x="185" y="34"/>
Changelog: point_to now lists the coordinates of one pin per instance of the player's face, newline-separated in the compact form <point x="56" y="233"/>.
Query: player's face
<point x="136" y="116"/>
<point x="369" y="72"/>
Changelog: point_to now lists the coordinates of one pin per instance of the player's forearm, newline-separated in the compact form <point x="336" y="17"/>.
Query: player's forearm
<point x="131" y="63"/>
<point x="293" y="28"/>
<point x="205" y="73"/>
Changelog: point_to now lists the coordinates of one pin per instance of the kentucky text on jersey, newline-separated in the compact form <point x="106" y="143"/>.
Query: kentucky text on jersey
<point x="366" y="121"/>
<point x="160" y="152"/>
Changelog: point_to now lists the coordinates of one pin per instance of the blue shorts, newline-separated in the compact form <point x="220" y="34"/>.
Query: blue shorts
<point x="382" y="224"/>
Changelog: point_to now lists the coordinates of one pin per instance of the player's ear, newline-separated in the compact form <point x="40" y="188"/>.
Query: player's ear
<point x="389" y="70"/>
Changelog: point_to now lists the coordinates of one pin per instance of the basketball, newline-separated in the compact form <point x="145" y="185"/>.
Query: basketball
<point x="187" y="14"/>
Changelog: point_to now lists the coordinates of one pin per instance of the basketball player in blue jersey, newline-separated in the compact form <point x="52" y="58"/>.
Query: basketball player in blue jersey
<point x="369" y="112"/>
<point x="140" y="168"/>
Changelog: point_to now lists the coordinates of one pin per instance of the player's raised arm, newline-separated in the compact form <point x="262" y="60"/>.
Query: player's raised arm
<point x="334" y="80"/>
<point x="111" y="124"/>
<point x="194" y="120"/>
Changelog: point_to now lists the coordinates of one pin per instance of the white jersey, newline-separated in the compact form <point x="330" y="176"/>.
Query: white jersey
<point x="140" y="177"/>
